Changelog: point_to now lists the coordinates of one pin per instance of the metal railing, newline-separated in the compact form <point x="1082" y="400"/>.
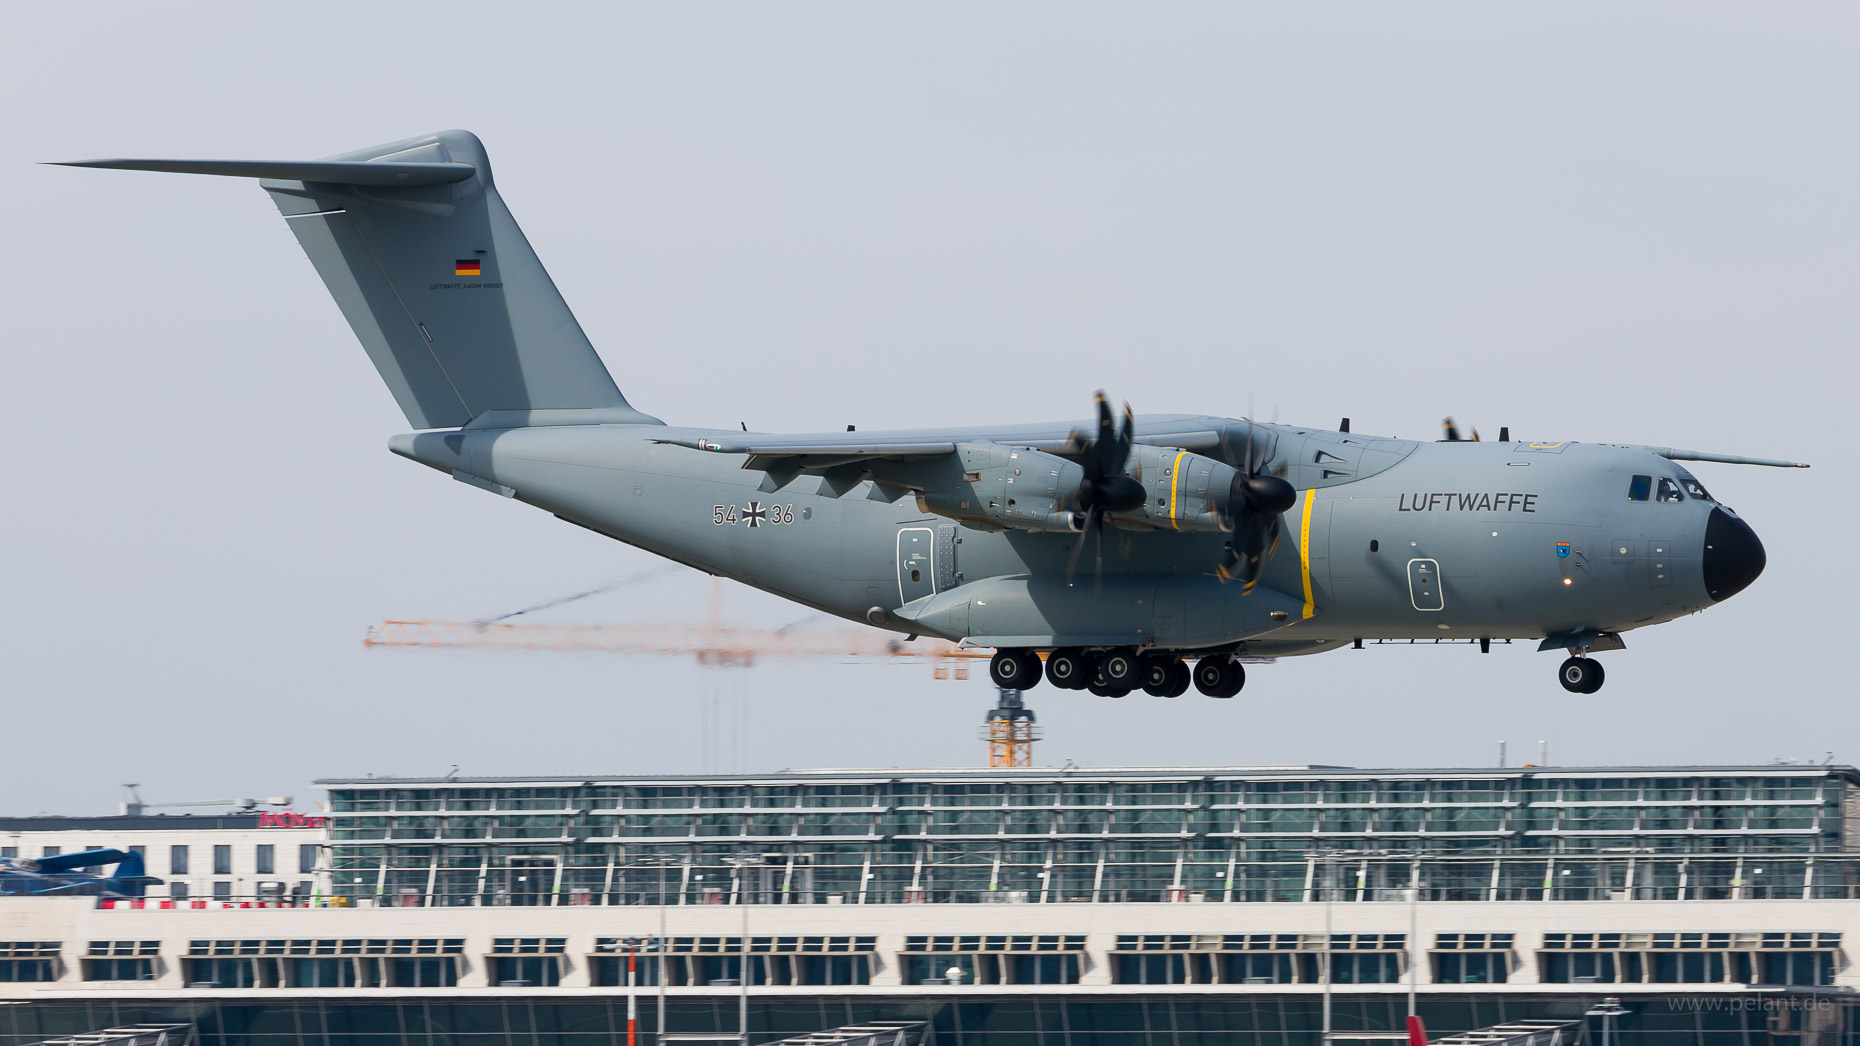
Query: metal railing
<point x="130" y="1035"/>
<point x="1519" y="1033"/>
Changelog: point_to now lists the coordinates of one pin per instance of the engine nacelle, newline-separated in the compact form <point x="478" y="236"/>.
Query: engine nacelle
<point x="1186" y="491"/>
<point x="1005" y="486"/>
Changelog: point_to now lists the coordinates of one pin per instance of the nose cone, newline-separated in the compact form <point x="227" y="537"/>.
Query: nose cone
<point x="1733" y="555"/>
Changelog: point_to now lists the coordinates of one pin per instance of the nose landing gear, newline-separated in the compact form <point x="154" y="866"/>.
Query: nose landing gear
<point x="1581" y="675"/>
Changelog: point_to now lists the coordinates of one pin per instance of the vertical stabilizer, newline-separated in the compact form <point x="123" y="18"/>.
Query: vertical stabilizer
<point x="437" y="280"/>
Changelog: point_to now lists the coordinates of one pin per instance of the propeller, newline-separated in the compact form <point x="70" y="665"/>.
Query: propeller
<point x="1258" y="501"/>
<point x="1105" y="487"/>
<point x="1453" y="432"/>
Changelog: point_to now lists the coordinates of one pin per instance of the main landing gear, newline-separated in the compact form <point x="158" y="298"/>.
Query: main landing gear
<point x="1117" y="672"/>
<point x="1581" y="675"/>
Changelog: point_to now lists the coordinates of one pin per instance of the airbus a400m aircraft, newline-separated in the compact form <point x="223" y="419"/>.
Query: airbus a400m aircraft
<point x="1210" y="539"/>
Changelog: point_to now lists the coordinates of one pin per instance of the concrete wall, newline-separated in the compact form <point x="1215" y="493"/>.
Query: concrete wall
<point x="77" y="921"/>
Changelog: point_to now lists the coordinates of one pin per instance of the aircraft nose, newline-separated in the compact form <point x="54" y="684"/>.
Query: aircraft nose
<point x="1733" y="555"/>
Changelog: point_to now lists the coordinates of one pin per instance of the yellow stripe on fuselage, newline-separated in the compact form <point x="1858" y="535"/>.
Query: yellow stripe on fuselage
<point x="1304" y="553"/>
<point x="1175" y="476"/>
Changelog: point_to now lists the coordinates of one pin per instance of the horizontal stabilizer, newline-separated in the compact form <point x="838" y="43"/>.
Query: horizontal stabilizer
<point x="339" y="173"/>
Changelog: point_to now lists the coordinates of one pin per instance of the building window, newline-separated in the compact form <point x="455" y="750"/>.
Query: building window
<point x="9" y="851"/>
<point x="847" y="969"/>
<point x="938" y="968"/>
<point x="178" y="891"/>
<point x="177" y="860"/>
<point x="331" y="973"/>
<point x="1579" y="968"/>
<point x="52" y="851"/>
<point x="610" y="971"/>
<point x="27" y="970"/>
<point x="119" y="969"/>
<point x="22" y="961"/>
<point x="1472" y="958"/>
<point x="266" y="859"/>
<point x="1815" y="968"/>
<point x="306" y="858"/>
<point x="1019" y="959"/>
<point x="222" y="891"/>
<point x="222" y="859"/>
<point x="1159" y="968"/>
<point x="527" y="961"/>
<point x="1472" y="967"/>
<point x="1688" y="967"/>
<point x="425" y="973"/>
<point x="1262" y="968"/>
<point x="1365" y="967"/>
<point x="523" y="971"/>
<point x="231" y="973"/>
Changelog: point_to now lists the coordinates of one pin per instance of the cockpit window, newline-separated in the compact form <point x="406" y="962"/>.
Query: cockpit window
<point x="1669" y="490"/>
<point x="1693" y="486"/>
<point x="1639" y="487"/>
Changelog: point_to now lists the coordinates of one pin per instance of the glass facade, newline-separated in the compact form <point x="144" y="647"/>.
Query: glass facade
<point x="1021" y="1019"/>
<point x="1102" y="836"/>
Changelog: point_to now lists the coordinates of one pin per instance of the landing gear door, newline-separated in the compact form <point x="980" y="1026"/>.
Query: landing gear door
<point x="1424" y="585"/>
<point x="916" y="563"/>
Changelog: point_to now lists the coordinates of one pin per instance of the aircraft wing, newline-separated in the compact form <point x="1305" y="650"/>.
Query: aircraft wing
<point x="82" y="859"/>
<point x="766" y="452"/>
<point x="1676" y="454"/>
<point x="833" y="449"/>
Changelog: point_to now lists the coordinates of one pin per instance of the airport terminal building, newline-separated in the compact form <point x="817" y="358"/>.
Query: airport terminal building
<point x="1074" y="907"/>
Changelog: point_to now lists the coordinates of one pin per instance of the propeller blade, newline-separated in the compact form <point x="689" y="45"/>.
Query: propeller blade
<point x="1097" y="578"/>
<point x="1103" y="447"/>
<point x="1453" y="431"/>
<point x="1124" y="439"/>
<point x="1078" y="547"/>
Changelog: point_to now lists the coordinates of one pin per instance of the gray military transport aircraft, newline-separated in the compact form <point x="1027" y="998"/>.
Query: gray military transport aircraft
<point x="1212" y="538"/>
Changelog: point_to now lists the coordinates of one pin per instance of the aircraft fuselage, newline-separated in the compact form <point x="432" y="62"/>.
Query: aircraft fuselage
<point x="1388" y="539"/>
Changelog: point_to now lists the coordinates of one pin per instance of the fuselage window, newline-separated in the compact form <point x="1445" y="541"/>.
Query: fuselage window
<point x="1669" y="491"/>
<point x="1693" y="486"/>
<point x="1639" y="487"/>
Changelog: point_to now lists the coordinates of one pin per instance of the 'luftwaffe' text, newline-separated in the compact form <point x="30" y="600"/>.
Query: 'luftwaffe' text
<point x="1454" y="502"/>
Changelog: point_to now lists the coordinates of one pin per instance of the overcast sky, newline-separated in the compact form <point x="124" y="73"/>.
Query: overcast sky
<point x="1585" y="221"/>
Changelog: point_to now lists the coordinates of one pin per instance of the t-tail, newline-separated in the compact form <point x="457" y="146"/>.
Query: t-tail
<point x="437" y="280"/>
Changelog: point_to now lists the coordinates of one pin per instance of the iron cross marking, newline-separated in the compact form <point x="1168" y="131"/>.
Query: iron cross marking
<point x="754" y="515"/>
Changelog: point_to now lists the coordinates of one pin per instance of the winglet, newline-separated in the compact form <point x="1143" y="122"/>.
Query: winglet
<point x="1417" y="1033"/>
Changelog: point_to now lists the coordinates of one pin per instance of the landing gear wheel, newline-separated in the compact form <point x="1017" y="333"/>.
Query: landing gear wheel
<point x="1219" y="677"/>
<point x="1159" y="675"/>
<point x="1068" y="669"/>
<point x="1103" y="690"/>
<point x="1179" y="678"/>
<point x="1581" y="675"/>
<point x="1121" y="668"/>
<point x="1015" y="669"/>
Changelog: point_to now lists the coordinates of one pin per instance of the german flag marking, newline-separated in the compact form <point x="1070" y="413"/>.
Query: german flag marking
<point x="467" y="267"/>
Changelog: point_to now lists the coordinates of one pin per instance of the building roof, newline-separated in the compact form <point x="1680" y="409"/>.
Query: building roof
<point x="122" y="822"/>
<point x="1113" y="773"/>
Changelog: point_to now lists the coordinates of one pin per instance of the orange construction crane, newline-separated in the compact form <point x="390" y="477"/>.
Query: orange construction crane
<point x="718" y="645"/>
<point x="1009" y="727"/>
<point x="1010" y="731"/>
